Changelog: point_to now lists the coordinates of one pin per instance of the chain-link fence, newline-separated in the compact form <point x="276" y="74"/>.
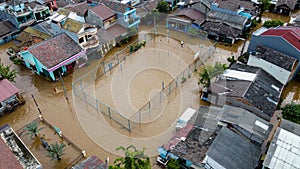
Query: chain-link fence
<point x="153" y="108"/>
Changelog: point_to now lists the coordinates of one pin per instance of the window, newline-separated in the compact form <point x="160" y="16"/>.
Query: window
<point x="81" y="40"/>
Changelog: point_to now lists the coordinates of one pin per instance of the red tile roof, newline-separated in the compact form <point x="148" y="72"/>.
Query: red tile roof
<point x="7" y="158"/>
<point x="103" y="11"/>
<point x="55" y="50"/>
<point x="117" y="30"/>
<point x="290" y="34"/>
<point x="7" y="89"/>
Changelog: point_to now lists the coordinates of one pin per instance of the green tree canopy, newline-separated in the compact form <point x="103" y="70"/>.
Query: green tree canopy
<point x="173" y="164"/>
<point x="273" y="23"/>
<point x="265" y="5"/>
<point x="291" y="112"/>
<point x="56" y="151"/>
<point x="163" y="7"/>
<point x="32" y="129"/>
<point x="134" y="159"/>
<point x="208" y="72"/>
<point x="7" y="73"/>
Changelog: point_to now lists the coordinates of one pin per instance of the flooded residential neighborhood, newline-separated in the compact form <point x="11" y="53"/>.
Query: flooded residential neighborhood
<point x="157" y="84"/>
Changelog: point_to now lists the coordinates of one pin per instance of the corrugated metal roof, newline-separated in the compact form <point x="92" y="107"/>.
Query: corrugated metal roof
<point x="7" y="89"/>
<point x="290" y="34"/>
<point x="283" y="151"/>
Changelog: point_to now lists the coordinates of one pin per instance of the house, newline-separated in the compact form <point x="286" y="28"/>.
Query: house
<point x="247" y="87"/>
<point x="7" y="32"/>
<point x="17" y="13"/>
<point x="118" y="32"/>
<point x="283" y="6"/>
<point x="39" y="11"/>
<point x="224" y="27"/>
<point x="83" y="34"/>
<point x="186" y="20"/>
<point x="14" y="153"/>
<point x="106" y="41"/>
<point x="282" y="67"/>
<point x="129" y="2"/>
<point x="51" y="4"/>
<point x="252" y="127"/>
<point x="91" y="162"/>
<point x="229" y="150"/>
<point x="9" y="96"/>
<point x="126" y="14"/>
<point x="54" y="57"/>
<point x="80" y="9"/>
<point x="283" y="39"/>
<point x="284" y="147"/>
<point x="66" y="21"/>
<point x="29" y="37"/>
<point x="236" y="7"/>
<point x="203" y="5"/>
<point x="101" y="16"/>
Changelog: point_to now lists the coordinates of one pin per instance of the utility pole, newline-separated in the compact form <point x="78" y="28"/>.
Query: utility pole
<point x="63" y="85"/>
<point x="36" y="104"/>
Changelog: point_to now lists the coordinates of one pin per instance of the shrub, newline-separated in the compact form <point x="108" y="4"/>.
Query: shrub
<point x="273" y="23"/>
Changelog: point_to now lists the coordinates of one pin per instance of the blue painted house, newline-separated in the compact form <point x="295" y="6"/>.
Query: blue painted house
<point x="126" y="14"/>
<point x="283" y="39"/>
<point x="17" y="13"/>
<point x="58" y="55"/>
<point x="7" y="32"/>
<point x="235" y="7"/>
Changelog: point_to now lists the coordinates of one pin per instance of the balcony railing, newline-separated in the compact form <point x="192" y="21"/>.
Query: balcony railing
<point x="133" y="20"/>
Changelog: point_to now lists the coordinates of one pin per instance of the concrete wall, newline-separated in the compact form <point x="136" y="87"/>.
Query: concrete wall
<point x="93" y="19"/>
<point x="10" y="17"/>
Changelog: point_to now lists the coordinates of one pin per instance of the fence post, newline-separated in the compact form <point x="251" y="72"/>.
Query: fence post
<point x="170" y="88"/>
<point x="97" y="105"/>
<point x="81" y="84"/>
<point x="129" y="126"/>
<point x="109" y="114"/>
<point x="160" y="96"/>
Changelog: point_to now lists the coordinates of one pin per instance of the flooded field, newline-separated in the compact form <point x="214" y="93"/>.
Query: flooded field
<point x="91" y="131"/>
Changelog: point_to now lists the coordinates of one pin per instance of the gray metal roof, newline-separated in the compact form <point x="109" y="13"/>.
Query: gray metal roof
<point x="283" y="151"/>
<point x="232" y="151"/>
<point x="235" y="21"/>
<point x="246" y="120"/>
<point x="277" y="58"/>
<point x="290" y="126"/>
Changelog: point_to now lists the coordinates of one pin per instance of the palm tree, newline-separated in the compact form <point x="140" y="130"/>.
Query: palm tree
<point x="56" y="151"/>
<point x="134" y="159"/>
<point x="6" y="73"/>
<point x="33" y="129"/>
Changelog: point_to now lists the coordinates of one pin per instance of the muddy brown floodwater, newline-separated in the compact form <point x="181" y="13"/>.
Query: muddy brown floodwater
<point x="59" y="112"/>
<point x="55" y="108"/>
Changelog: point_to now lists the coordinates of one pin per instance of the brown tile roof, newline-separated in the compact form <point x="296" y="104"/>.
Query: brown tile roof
<point x="6" y="27"/>
<point x="289" y="3"/>
<point x="7" y="158"/>
<point x="115" y="6"/>
<point x="117" y="30"/>
<point x="7" y="89"/>
<point x="221" y="29"/>
<point x="72" y="25"/>
<point x="193" y="14"/>
<point x="80" y="8"/>
<point x="103" y="11"/>
<point x="55" y="50"/>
